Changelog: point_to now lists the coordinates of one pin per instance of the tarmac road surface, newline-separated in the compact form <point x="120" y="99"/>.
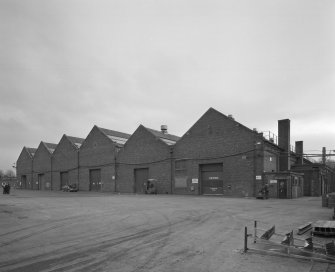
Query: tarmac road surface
<point x="62" y="231"/>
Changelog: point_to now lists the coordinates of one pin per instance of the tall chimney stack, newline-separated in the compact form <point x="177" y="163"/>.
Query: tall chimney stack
<point x="323" y="155"/>
<point x="284" y="143"/>
<point x="299" y="150"/>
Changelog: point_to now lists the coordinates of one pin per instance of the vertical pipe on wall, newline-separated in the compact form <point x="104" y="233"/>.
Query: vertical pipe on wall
<point x="115" y="173"/>
<point x="78" y="169"/>
<point x="51" y="159"/>
<point x="171" y="170"/>
<point x="32" y="174"/>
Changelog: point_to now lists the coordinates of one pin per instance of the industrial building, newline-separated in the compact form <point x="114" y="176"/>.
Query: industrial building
<point x="147" y="155"/>
<point x="97" y="159"/>
<point x="42" y="166"/>
<point x="216" y="156"/>
<point x="65" y="162"/>
<point x="24" y="168"/>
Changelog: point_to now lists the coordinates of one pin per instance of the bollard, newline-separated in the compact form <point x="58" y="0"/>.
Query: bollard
<point x="245" y="239"/>
<point x="255" y="231"/>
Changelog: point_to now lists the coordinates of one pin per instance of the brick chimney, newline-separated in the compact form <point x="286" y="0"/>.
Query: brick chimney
<point x="284" y="143"/>
<point x="299" y="150"/>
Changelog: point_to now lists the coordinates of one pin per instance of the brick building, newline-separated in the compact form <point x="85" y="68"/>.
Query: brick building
<point x="24" y="168"/>
<point x="97" y="159"/>
<point x="319" y="179"/>
<point x="216" y="156"/>
<point x="219" y="156"/>
<point x="42" y="166"/>
<point x="147" y="155"/>
<point x="65" y="162"/>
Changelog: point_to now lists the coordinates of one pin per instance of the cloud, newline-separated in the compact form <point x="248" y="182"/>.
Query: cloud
<point x="67" y="65"/>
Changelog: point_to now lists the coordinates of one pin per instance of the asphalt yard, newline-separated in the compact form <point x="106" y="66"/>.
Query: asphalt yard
<point x="62" y="231"/>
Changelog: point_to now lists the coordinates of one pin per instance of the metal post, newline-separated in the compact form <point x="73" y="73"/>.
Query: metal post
<point x="245" y="239"/>
<point x="255" y="232"/>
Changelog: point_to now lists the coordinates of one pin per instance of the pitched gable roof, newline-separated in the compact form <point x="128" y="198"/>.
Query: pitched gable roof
<point x="169" y="139"/>
<point x="31" y="151"/>
<point x="76" y="141"/>
<point x="117" y="137"/>
<point x="50" y="147"/>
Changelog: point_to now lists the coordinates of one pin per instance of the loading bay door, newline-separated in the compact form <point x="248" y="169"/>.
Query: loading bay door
<point x="64" y="179"/>
<point x="95" y="180"/>
<point x="40" y="181"/>
<point x="141" y="178"/>
<point x="211" y="179"/>
<point x="24" y="182"/>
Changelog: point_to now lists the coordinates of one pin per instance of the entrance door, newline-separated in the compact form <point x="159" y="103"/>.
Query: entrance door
<point x="141" y="178"/>
<point x="212" y="179"/>
<point x="40" y="181"/>
<point x="95" y="180"/>
<point x="282" y="188"/>
<point x="64" y="179"/>
<point x="23" y="184"/>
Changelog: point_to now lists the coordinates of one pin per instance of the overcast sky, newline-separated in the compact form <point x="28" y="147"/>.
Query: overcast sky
<point x="66" y="65"/>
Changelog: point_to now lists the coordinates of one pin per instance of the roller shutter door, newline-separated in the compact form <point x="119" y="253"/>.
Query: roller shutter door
<point x="141" y="178"/>
<point x="64" y="179"/>
<point x="95" y="180"/>
<point x="212" y="179"/>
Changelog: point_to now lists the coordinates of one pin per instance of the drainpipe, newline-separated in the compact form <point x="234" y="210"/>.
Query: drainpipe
<point x="115" y="174"/>
<point x="51" y="158"/>
<point x="78" y="169"/>
<point x="171" y="169"/>
<point x="32" y="175"/>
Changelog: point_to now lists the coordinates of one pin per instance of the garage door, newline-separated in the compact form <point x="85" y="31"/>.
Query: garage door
<point x="23" y="184"/>
<point x="64" y="179"/>
<point x="211" y="179"/>
<point x="95" y="180"/>
<point x="141" y="178"/>
<point x="40" y="181"/>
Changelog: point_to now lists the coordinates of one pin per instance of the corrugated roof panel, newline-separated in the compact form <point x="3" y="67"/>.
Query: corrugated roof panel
<point x="114" y="133"/>
<point x="169" y="139"/>
<point x="169" y="142"/>
<point x="118" y="140"/>
<point x="51" y="147"/>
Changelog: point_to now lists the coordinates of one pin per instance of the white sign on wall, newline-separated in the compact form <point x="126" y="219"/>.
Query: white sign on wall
<point x="258" y="177"/>
<point x="273" y="181"/>
<point x="194" y="180"/>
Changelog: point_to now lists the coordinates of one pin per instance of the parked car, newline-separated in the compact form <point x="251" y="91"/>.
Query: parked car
<point x="70" y="188"/>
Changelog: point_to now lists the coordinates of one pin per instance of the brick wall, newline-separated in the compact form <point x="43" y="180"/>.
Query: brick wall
<point x="141" y="149"/>
<point x="215" y="135"/>
<point x="64" y="159"/>
<point x="24" y="166"/>
<point x="42" y="165"/>
<point x="97" y="152"/>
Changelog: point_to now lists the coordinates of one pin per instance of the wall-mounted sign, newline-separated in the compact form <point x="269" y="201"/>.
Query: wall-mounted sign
<point x="213" y="178"/>
<point x="194" y="180"/>
<point x="259" y="177"/>
<point x="273" y="181"/>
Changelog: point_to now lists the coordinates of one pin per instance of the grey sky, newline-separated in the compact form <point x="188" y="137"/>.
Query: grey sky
<point x="66" y="65"/>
